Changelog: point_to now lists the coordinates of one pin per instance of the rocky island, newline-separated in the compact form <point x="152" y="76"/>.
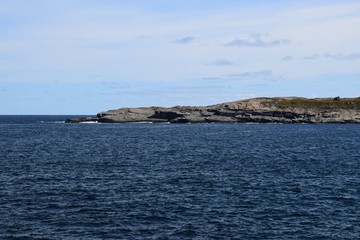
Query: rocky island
<point x="255" y="110"/>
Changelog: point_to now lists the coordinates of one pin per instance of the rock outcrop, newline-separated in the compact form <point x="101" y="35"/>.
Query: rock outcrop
<point x="256" y="110"/>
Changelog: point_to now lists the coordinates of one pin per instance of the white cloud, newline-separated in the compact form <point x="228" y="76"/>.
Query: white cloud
<point x="256" y="40"/>
<point x="343" y="57"/>
<point x="340" y="10"/>
<point x="334" y="56"/>
<point x="263" y="74"/>
<point x="106" y="40"/>
<point x="184" y="40"/>
<point x="287" y="58"/>
<point x="222" y="63"/>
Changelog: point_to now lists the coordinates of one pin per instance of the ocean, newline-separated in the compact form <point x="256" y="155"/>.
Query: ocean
<point x="178" y="181"/>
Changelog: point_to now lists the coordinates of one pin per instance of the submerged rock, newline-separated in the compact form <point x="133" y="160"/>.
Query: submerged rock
<point x="256" y="110"/>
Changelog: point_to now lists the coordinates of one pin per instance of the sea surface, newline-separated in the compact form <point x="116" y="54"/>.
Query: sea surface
<point x="177" y="181"/>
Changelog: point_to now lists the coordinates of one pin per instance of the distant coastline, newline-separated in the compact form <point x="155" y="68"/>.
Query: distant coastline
<point x="255" y="110"/>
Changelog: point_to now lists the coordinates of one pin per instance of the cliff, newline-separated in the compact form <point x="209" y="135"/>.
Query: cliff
<point x="256" y="110"/>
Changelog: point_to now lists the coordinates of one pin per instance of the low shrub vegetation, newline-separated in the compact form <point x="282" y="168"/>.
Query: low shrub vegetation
<point x="324" y="103"/>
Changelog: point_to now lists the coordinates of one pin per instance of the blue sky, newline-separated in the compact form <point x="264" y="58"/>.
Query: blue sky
<point x="87" y="56"/>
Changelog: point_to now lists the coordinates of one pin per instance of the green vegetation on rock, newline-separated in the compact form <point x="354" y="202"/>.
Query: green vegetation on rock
<point x="317" y="103"/>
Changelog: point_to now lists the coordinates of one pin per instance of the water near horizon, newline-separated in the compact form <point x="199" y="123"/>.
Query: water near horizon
<point x="177" y="181"/>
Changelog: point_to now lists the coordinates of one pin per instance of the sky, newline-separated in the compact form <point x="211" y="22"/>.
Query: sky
<point x="88" y="56"/>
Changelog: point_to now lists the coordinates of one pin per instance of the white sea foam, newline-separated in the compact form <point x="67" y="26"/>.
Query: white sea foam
<point x="90" y="122"/>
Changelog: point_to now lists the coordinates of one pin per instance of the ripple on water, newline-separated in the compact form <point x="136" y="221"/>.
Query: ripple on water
<point x="205" y="181"/>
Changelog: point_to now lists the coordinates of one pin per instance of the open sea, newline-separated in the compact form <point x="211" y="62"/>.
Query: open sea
<point x="178" y="181"/>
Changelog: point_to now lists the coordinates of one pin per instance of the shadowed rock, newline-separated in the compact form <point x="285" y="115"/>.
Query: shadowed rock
<point x="82" y="120"/>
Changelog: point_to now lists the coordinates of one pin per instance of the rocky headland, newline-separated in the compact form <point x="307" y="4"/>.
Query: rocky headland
<point x="255" y="110"/>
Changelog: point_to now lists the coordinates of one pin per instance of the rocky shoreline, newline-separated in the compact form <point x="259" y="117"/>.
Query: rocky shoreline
<point x="255" y="110"/>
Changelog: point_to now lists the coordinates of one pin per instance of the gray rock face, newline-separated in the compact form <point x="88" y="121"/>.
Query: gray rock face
<point x="256" y="110"/>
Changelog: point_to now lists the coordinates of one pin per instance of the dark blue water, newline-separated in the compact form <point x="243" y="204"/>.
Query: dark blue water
<point x="168" y="181"/>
